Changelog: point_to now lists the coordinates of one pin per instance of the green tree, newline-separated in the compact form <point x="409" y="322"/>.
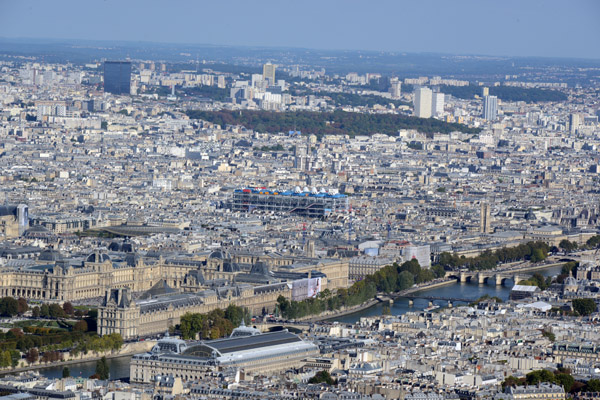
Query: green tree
<point x="569" y="267"/>
<point x="56" y="311"/>
<point x="283" y="305"/>
<point x="593" y="385"/>
<point x="102" y="368"/>
<point x="32" y="355"/>
<point x="66" y="372"/>
<point x="45" y="311"/>
<point x="236" y="314"/>
<point x="22" y="306"/>
<point x="80" y="326"/>
<point x="565" y="380"/>
<point x="584" y="306"/>
<point x="35" y="312"/>
<point x="68" y="308"/>
<point x="567" y="246"/>
<point x="9" y="307"/>
<point x="5" y="359"/>
<point x="16" y="357"/>
<point x="542" y="375"/>
<point x="537" y="256"/>
<point x="551" y="336"/>
<point x="438" y="271"/>
<point x="513" y="381"/>
<point x="405" y="280"/>
<point x="322" y="377"/>
<point x="594" y="241"/>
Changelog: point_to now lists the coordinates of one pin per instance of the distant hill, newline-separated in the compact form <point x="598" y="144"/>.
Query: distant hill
<point x="507" y="93"/>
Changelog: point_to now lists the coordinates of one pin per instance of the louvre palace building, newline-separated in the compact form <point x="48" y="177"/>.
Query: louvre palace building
<point x="144" y="295"/>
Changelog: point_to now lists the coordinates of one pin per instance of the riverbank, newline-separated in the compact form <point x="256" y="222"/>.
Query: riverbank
<point x="426" y="286"/>
<point x="127" y="350"/>
<point x="347" y="311"/>
<point x="340" y="313"/>
<point x="443" y="284"/>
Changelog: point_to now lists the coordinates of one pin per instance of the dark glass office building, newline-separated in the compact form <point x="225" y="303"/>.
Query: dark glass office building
<point x="117" y="77"/>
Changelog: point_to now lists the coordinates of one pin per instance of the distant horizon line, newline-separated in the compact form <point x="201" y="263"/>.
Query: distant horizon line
<point x="266" y="47"/>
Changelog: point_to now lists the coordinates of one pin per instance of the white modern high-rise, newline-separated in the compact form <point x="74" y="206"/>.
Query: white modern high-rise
<point x="574" y="122"/>
<point x="269" y="73"/>
<point x="256" y="79"/>
<point x="422" y="102"/>
<point x="395" y="88"/>
<point x="490" y="108"/>
<point x="437" y="105"/>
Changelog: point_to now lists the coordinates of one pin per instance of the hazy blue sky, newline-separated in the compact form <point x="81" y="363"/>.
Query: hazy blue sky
<point x="555" y="28"/>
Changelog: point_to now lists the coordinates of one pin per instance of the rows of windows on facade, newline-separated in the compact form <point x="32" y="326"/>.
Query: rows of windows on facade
<point x="117" y="77"/>
<point x="428" y="103"/>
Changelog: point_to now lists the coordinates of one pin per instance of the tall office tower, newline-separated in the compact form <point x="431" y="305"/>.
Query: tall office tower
<point x="485" y="91"/>
<point x="221" y="81"/>
<point x="301" y="156"/>
<point x="490" y="108"/>
<point x="574" y="122"/>
<point x="395" y="88"/>
<point x="422" y="102"/>
<point x="23" y="217"/>
<point x="257" y="79"/>
<point x="117" y="77"/>
<point x="437" y="105"/>
<point x="485" y="222"/>
<point x="269" y="73"/>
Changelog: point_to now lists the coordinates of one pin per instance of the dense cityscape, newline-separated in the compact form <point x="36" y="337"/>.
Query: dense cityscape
<point x="222" y="222"/>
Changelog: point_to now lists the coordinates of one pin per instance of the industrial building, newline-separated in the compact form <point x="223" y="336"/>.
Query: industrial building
<point x="306" y="203"/>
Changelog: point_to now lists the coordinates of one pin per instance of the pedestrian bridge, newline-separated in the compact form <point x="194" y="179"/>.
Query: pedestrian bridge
<point x="389" y="298"/>
<point x="485" y="277"/>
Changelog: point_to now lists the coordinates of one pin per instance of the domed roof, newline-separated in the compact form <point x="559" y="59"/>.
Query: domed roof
<point x="220" y="254"/>
<point x="195" y="276"/>
<point x="570" y="281"/>
<point x="230" y="267"/>
<point x="244" y="330"/>
<point x="125" y="247"/>
<point x="260" y="268"/>
<point x="97" y="258"/>
<point x="132" y="259"/>
<point x="50" y="255"/>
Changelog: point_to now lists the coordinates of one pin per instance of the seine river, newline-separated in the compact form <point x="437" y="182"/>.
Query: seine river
<point x="119" y="367"/>
<point x="459" y="290"/>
